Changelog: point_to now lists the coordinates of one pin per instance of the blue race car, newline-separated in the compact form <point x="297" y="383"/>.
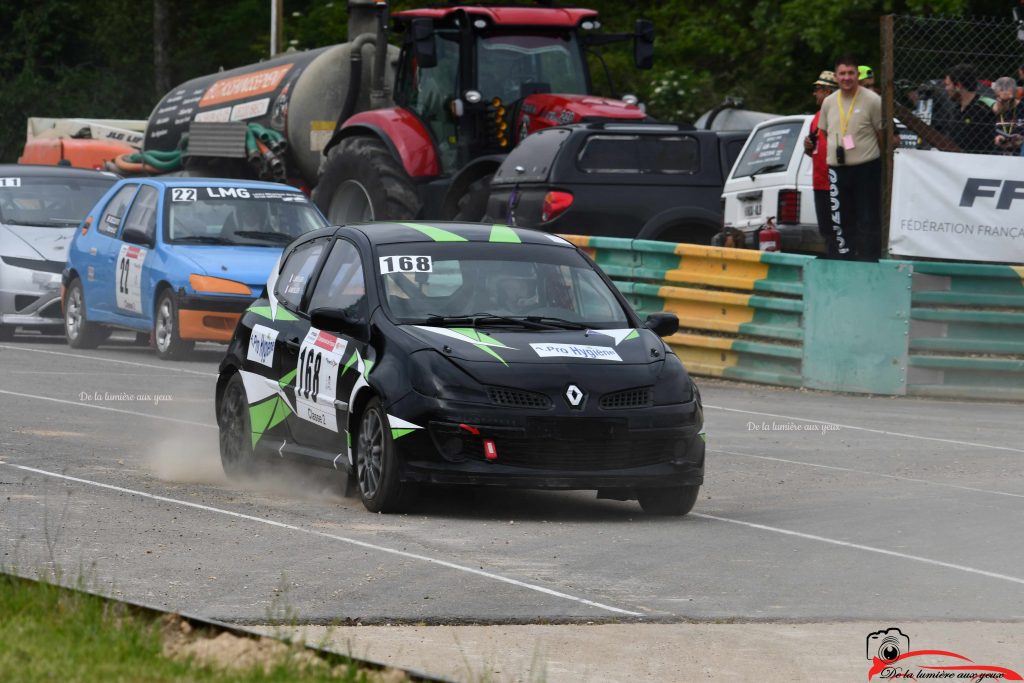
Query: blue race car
<point x="177" y="258"/>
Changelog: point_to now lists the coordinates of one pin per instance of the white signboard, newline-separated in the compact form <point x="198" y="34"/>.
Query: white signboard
<point x="966" y="207"/>
<point x="128" y="295"/>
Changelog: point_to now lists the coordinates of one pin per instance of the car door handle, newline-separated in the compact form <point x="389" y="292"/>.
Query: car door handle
<point x="293" y="343"/>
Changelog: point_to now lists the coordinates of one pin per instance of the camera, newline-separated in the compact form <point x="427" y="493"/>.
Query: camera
<point x="887" y="645"/>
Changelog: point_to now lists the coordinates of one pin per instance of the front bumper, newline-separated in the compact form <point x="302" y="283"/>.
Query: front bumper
<point x="30" y="297"/>
<point x="210" y="318"/>
<point x="600" y="449"/>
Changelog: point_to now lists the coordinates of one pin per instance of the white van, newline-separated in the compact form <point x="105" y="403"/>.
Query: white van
<point x="772" y="178"/>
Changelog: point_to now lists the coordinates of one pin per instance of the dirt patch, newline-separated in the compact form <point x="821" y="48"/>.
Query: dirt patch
<point x="228" y="651"/>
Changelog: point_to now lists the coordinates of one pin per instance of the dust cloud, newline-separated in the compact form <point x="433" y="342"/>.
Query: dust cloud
<point x="193" y="457"/>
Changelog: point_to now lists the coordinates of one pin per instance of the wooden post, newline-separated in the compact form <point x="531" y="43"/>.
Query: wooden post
<point x="888" y="110"/>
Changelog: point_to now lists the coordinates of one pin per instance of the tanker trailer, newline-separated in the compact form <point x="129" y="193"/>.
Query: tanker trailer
<point x="271" y="119"/>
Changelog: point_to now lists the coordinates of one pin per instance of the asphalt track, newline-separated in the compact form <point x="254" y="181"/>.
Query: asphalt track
<point x="816" y="508"/>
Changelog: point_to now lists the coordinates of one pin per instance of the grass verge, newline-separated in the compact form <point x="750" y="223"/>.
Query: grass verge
<point x="49" y="633"/>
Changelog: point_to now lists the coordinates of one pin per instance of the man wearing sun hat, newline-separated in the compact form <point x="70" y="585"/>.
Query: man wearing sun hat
<point x="816" y="147"/>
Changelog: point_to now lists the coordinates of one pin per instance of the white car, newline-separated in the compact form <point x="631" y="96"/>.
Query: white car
<point x="772" y="178"/>
<point x="40" y="210"/>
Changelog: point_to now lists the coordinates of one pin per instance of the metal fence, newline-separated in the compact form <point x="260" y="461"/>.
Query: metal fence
<point x="921" y="51"/>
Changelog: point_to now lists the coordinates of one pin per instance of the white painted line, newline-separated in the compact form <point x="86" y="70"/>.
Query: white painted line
<point x="867" y="429"/>
<point x="80" y="404"/>
<point x="343" y="539"/>
<point x="858" y="546"/>
<point x="871" y="474"/>
<point x="160" y="365"/>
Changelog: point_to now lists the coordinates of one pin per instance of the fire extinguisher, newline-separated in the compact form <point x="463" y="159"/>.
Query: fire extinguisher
<point x="768" y="236"/>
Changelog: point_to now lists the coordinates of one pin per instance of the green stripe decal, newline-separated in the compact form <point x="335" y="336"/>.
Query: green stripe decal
<point x="503" y="233"/>
<point x="492" y="352"/>
<point x="436" y="234"/>
<point x="287" y="379"/>
<point x="267" y="415"/>
<point x="632" y="335"/>
<point x="262" y="311"/>
<point x="367" y="366"/>
<point x="399" y="433"/>
<point x="284" y="314"/>
<point x="349" y="363"/>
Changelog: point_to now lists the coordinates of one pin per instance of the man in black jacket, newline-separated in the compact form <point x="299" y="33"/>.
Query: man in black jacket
<point x="973" y="124"/>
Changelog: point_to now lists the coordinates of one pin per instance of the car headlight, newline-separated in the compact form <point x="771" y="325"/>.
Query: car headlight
<point x="435" y="376"/>
<point x="217" y="285"/>
<point x="673" y="384"/>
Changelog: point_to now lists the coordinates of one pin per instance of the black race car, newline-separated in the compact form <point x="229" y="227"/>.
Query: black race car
<point x="408" y="354"/>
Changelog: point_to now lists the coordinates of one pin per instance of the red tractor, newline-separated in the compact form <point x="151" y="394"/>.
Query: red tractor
<point x="472" y="81"/>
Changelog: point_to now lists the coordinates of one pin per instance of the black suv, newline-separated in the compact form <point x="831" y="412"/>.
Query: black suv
<point x="647" y="181"/>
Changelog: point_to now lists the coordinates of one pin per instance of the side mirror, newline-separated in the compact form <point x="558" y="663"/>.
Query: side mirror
<point x="663" y="324"/>
<point x="340" y="321"/>
<point x="136" y="236"/>
<point x="423" y="45"/>
<point x="643" y="44"/>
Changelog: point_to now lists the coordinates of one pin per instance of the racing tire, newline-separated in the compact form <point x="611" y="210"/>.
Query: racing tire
<point x="6" y="333"/>
<point x="237" y="455"/>
<point x="472" y="206"/>
<point x="377" y="475"/>
<point x="671" y="501"/>
<point x="80" y="333"/>
<point x="166" y="338"/>
<point x="361" y="181"/>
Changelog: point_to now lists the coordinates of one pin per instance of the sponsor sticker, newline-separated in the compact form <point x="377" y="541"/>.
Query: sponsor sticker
<point x="250" y="110"/>
<point x="222" y="192"/>
<point x="261" y="345"/>
<point x="406" y="264"/>
<point x="576" y="351"/>
<point x="246" y="85"/>
<point x="221" y="115"/>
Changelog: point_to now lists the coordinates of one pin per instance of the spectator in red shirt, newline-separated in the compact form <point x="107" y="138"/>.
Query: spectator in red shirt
<point x="815" y="146"/>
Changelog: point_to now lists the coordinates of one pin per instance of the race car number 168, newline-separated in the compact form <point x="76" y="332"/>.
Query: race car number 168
<point x="405" y="264"/>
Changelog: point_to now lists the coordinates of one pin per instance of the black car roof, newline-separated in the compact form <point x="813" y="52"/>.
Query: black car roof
<point x="39" y="170"/>
<point x="444" y="231"/>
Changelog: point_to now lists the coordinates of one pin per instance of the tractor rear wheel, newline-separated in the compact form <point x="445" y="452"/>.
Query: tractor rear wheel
<point x="361" y="181"/>
<point x="473" y="204"/>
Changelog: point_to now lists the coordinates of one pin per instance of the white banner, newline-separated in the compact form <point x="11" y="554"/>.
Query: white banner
<point x="965" y="207"/>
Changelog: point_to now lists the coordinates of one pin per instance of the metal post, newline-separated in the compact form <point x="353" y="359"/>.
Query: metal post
<point x="888" y="100"/>
<point x="276" y="27"/>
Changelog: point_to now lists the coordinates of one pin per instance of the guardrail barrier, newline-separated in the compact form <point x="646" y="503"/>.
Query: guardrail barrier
<point x="893" y="327"/>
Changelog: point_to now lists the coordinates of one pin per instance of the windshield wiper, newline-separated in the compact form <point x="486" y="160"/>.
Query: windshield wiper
<point x="264" y="235"/>
<point x="203" y="239"/>
<point x="479" y="319"/>
<point x="767" y="169"/>
<point x="556" y="322"/>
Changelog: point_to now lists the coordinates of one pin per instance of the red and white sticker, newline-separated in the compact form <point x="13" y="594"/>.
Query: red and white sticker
<point x="316" y="378"/>
<point x="128" y="278"/>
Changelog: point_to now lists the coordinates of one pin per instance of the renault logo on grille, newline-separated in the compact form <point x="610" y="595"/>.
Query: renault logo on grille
<point x="574" y="395"/>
